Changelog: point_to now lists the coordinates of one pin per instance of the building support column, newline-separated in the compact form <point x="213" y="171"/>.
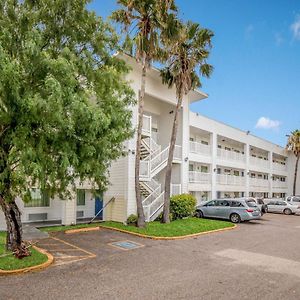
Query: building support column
<point x="247" y="174"/>
<point x="185" y="147"/>
<point x="270" y="157"/>
<point x="214" y="147"/>
<point x="69" y="207"/>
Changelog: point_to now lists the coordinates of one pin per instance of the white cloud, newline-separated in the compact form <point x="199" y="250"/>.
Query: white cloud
<point x="295" y="28"/>
<point x="266" y="123"/>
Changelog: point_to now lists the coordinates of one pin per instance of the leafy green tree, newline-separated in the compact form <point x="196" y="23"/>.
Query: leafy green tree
<point x="143" y="22"/>
<point x="293" y="145"/>
<point x="188" y="51"/>
<point x="63" y="102"/>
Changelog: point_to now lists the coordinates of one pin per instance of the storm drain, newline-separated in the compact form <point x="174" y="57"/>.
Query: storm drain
<point x="126" y="245"/>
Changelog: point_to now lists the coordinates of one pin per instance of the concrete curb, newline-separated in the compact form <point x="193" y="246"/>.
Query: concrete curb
<point x="33" y="268"/>
<point x="169" y="237"/>
<point x="81" y="230"/>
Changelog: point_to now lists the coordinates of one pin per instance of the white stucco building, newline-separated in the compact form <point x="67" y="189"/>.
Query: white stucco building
<point x="211" y="160"/>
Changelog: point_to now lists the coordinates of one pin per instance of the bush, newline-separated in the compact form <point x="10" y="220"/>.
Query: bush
<point x="132" y="220"/>
<point x="182" y="206"/>
<point x="160" y="217"/>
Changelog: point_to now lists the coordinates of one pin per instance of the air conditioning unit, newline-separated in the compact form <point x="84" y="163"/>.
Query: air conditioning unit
<point x="38" y="217"/>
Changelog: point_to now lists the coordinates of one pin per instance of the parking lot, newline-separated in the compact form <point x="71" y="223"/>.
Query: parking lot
<point x="258" y="260"/>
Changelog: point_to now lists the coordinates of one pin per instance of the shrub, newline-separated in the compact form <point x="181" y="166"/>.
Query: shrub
<point x="132" y="220"/>
<point x="160" y="217"/>
<point x="182" y="206"/>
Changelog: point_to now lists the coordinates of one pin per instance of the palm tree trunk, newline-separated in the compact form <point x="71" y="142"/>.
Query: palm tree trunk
<point x="139" y="206"/>
<point x="295" y="175"/>
<point x="14" y="241"/>
<point x="166" y="212"/>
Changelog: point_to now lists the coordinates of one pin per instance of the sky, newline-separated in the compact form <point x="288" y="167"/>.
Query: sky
<point x="255" y="85"/>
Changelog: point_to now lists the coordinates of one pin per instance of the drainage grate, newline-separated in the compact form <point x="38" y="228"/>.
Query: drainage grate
<point x="126" y="245"/>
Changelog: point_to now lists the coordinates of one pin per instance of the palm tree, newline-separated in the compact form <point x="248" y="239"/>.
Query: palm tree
<point x="143" y="21"/>
<point x="188" y="54"/>
<point x="293" y="145"/>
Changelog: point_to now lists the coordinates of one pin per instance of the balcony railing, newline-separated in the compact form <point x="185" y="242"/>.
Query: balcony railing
<point x="199" y="148"/>
<point x="199" y="177"/>
<point x="279" y="184"/>
<point x="259" y="162"/>
<point x="230" y="155"/>
<point x="279" y="167"/>
<point x="230" y="179"/>
<point x="146" y="130"/>
<point x="259" y="182"/>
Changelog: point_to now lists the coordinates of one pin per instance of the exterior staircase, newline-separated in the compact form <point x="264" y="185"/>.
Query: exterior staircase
<point x="153" y="160"/>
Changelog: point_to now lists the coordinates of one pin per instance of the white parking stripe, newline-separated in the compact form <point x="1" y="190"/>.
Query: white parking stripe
<point x="264" y="262"/>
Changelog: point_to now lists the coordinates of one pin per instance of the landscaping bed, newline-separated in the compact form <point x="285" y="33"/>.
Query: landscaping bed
<point x="9" y="262"/>
<point x="177" y="228"/>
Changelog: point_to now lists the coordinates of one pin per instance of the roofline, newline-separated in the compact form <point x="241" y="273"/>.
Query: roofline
<point x="194" y="95"/>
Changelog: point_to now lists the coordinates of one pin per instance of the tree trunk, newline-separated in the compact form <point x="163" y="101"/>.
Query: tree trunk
<point x="14" y="241"/>
<point x="139" y="206"/>
<point x="166" y="212"/>
<point x="295" y="175"/>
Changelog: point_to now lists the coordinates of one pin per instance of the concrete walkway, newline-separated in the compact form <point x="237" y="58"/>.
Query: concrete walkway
<point x="31" y="233"/>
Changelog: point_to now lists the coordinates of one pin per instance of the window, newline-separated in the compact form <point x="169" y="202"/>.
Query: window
<point x="80" y="197"/>
<point x="204" y="142"/>
<point x="236" y="204"/>
<point x="191" y="139"/>
<point x="219" y="146"/>
<point x="236" y="173"/>
<point x="191" y="167"/>
<point x="222" y="203"/>
<point x="204" y="169"/>
<point x="296" y="199"/>
<point x="237" y="151"/>
<point x="211" y="203"/>
<point x="39" y="198"/>
<point x="228" y="149"/>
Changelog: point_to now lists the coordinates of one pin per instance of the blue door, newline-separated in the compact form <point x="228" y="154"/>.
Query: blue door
<point x="98" y="207"/>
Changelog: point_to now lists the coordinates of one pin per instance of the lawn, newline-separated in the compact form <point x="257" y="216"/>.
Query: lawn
<point x="9" y="262"/>
<point x="63" y="228"/>
<point x="175" y="228"/>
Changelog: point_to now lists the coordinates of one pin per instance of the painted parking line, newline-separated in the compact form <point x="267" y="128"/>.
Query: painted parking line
<point x="62" y="251"/>
<point x="265" y="262"/>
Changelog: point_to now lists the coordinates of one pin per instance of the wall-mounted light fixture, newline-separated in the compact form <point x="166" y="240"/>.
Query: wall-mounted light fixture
<point x="186" y="159"/>
<point x="170" y="112"/>
<point x="131" y="151"/>
<point x="215" y="169"/>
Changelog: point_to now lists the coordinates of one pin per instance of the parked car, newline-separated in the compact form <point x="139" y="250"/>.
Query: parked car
<point x="293" y="200"/>
<point x="260" y="203"/>
<point x="281" y="206"/>
<point x="235" y="210"/>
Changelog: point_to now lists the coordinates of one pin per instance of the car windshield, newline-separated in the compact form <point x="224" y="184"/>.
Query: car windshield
<point x="251" y="203"/>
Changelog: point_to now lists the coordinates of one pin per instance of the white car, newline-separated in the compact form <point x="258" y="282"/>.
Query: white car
<point x="280" y="206"/>
<point x="293" y="200"/>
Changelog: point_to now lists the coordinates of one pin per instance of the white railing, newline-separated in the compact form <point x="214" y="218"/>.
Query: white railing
<point x="259" y="162"/>
<point x="199" y="177"/>
<point x="199" y="148"/>
<point x="259" y="182"/>
<point x="154" y="136"/>
<point x="279" y="167"/>
<point x="279" y="184"/>
<point x="144" y="169"/>
<point x="230" y="155"/>
<point x="153" y="210"/>
<point x="146" y="130"/>
<point x="175" y="189"/>
<point x="230" y="179"/>
<point x="151" y="146"/>
<point x="151" y="198"/>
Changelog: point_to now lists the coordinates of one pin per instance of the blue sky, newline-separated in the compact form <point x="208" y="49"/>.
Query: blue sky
<point x="256" y="55"/>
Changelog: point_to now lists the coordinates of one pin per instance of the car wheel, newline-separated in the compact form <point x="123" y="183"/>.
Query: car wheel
<point x="235" y="218"/>
<point x="199" y="214"/>
<point x="287" y="211"/>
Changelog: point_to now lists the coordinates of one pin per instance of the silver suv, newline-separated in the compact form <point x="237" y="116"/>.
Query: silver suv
<point x="235" y="210"/>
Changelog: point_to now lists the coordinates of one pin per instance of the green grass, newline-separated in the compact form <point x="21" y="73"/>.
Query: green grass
<point x="175" y="228"/>
<point x="63" y="228"/>
<point x="9" y="262"/>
